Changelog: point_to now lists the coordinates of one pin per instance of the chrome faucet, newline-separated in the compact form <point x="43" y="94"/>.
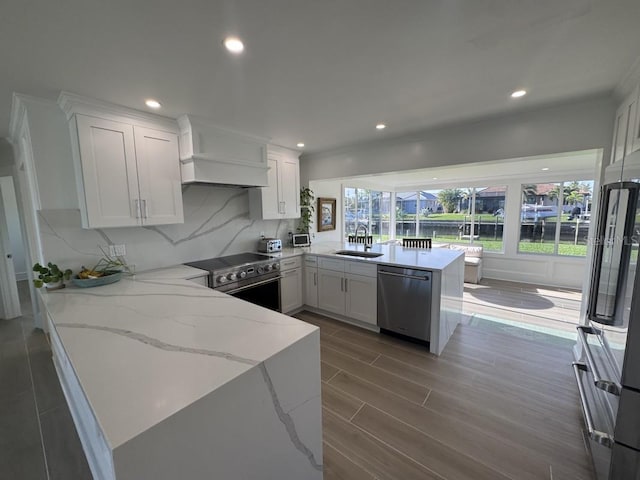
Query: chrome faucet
<point x="367" y="245"/>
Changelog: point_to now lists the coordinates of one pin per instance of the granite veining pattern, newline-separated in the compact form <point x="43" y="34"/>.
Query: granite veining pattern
<point x="144" y="349"/>
<point x="216" y="223"/>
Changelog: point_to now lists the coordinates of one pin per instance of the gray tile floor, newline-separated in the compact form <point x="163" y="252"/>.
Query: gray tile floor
<point x="37" y="437"/>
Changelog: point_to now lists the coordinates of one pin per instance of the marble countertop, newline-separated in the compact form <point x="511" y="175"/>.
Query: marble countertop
<point x="150" y="345"/>
<point x="396" y="255"/>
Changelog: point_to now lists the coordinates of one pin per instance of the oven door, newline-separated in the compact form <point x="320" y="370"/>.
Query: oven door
<point x="265" y="292"/>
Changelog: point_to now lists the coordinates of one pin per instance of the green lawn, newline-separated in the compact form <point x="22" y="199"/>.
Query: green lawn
<point x="547" y="249"/>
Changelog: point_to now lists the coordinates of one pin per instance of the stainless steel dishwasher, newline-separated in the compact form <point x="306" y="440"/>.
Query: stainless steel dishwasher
<point x="404" y="301"/>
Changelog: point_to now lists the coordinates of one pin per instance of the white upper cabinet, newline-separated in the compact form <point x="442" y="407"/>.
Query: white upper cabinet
<point x="281" y="199"/>
<point x="158" y="176"/>
<point x="626" y="132"/>
<point x="109" y="172"/>
<point x="127" y="165"/>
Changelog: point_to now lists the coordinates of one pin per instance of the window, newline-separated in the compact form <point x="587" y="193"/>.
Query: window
<point x="554" y="217"/>
<point x="461" y="215"/>
<point x="369" y="208"/>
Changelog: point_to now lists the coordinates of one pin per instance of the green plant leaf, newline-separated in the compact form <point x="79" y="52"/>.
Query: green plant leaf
<point x="37" y="283"/>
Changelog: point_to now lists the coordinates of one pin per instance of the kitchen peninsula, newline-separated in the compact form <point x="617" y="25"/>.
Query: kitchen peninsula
<point x="328" y="259"/>
<point x="168" y="379"/>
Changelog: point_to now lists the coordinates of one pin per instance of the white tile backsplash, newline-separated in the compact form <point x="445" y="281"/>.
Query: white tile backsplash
<point x="216" y="223"/>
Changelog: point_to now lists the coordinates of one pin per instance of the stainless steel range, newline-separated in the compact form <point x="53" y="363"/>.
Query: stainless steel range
<point x="253" y="277"/>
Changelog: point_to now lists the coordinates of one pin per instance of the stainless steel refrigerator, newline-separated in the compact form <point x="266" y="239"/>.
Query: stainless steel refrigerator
<point x="608" y="358"/>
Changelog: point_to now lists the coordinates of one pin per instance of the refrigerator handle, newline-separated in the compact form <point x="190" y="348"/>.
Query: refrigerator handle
<point x="597" y="436"/>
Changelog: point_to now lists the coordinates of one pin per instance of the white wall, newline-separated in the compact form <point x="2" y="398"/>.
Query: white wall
<point x="13" y="222"/>
<point x="328" y="189"/>
<point x="216" y="223"/>
<point x="580" y="125"/>
<point x="573" y="126"/>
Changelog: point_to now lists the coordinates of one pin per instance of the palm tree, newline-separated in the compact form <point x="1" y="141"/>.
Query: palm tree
<point x="448" y="198"/>
<point x="529" y="190"/>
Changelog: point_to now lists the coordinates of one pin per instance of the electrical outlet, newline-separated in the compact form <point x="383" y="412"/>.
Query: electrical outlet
<point x="117" y="250"/>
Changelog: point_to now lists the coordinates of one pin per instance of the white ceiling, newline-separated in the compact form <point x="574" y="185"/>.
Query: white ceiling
<point x="319" y="71"/>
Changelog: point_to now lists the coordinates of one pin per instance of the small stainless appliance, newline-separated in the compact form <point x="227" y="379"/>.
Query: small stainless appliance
<point x="269" y="245"/>
<point x="404" y="301"/>
<point x="300" y="240"/>
<point x="253" y="277"/>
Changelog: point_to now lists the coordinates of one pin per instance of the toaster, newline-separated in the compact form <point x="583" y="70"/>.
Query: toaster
<point x="270" y="245"/>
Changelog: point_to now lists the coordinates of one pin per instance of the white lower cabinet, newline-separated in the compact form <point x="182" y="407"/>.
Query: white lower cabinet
<point x="360" y="298"/>
<point x="349" y="294"/>
<point x="310" y="283"/>
<point x="291" y="284"/>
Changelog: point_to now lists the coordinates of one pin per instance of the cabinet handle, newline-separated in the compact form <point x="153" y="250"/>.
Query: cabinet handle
<point x="345" y="285"/>
<point x="137" y="207"/>
<point x="146" y="212"/>
<point x="342" y="284"/>
<point x="315" y="279"/>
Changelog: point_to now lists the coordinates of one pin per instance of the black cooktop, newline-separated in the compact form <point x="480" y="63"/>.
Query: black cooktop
<point x="220" y="263"/>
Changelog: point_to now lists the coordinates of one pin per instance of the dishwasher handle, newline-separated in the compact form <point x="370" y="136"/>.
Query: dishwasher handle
<point x="412" y="277"/>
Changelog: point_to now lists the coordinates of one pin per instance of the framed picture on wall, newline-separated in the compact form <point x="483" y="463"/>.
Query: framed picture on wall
<point x="326" y="214"/>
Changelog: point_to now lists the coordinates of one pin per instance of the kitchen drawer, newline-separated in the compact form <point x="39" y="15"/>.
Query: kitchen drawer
<point x="311" y="261"/>
<point x="290" y="263"/>
<point x="361" y="268"/>
<point x="337" y="265"/>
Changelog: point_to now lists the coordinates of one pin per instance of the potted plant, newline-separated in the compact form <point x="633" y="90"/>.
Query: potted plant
<point x="306" y="209"/>
<point x="52" y="276"/>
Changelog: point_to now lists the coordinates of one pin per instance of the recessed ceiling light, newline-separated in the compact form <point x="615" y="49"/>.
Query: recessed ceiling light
<point x="381" y="126"/>
<point x="151" y="103"/>
<point x="518" y="93"/>
<point x="545" y="169"/>
<point x="300" y="145"/>
<point x="435" y="178"/>
<point x="234" y="45"/>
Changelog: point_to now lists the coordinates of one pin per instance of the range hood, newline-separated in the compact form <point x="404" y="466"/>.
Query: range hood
<point x="219" y="156"/>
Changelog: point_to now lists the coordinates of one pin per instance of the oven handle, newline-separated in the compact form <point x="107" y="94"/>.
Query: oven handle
<point x="257" y="284"/>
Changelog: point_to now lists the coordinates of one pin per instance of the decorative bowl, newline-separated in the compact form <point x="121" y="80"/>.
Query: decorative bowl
<point x="112" y="276"/>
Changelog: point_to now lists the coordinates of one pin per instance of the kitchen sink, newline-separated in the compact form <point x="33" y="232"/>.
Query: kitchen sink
<point x="357" y="253"/>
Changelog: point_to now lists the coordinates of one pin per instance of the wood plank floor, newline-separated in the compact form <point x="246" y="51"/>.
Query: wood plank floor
<point x="493" y="406"/>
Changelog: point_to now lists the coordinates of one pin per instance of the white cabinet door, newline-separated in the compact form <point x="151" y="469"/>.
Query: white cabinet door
<point x="311" y="286"/>
<point x="271" y="207"/>
<point x="331" y="291"/>
<point x="281" y="199"/>
<point x="620" y="134"/>
<point x="290" y="187"/>
<point x="159" y="176"/>
<point x="634" y="123"/>
<point x="109" y="172"/>
<point x="291" y="290"/>
<point x="361" y="294"/>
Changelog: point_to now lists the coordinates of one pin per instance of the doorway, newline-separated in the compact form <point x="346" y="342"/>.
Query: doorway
<point x="13" y="265"/>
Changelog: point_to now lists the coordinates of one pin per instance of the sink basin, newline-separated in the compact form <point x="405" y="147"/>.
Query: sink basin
<point x="356" y="253"/>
